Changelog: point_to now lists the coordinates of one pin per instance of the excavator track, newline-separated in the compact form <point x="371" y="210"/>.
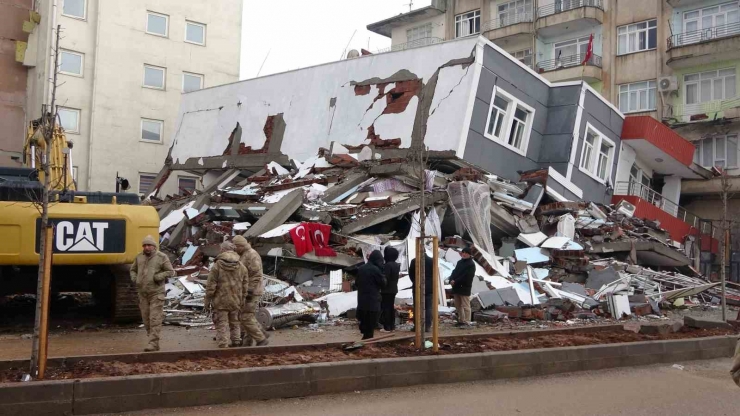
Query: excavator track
<point x="125" y="306"/>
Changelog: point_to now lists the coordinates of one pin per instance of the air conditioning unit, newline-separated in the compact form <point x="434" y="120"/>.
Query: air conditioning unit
<point x="667" y="84"/>
<point x="626" y="208"/>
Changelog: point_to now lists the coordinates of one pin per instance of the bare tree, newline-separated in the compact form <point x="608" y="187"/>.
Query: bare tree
<point x="725" y="227"/>
<point x="48" y="125"/>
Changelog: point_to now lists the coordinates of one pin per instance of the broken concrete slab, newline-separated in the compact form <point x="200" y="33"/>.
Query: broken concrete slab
<point x="278" y="214"/>
<point x="532" y="255"/>
<point x="346" y="187"/>
<point x="649" y="253"/>
<point x="598" y="278"/>
<point x="700" y="323"/>
<point x="397" y="210"/>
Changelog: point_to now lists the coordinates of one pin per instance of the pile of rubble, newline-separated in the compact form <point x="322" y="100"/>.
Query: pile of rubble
<point x="314" y="223"/>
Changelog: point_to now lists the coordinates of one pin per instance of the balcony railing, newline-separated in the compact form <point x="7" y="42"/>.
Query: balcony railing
<point x="507" y="20"/>
<point x="568" y="61"/>
<point x="560" y="6"/>
<point x="704" y="35"/>
<point x="646" y="193"/>
<point x="413" y="44"/>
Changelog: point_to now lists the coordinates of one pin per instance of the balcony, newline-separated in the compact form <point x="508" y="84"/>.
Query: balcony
<point x="568" y="68"/>
<point x="509" y="27"/>
<point x="569" y="16"/>
<point x="410" y="45"/>
<point x="701" y="47"/>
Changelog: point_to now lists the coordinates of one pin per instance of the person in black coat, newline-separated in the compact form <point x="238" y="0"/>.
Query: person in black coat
<point x="461" y="280"/>
<point x="370" y="279"/>
<point x="428" y="288"/>
<point x="388" y="292"/>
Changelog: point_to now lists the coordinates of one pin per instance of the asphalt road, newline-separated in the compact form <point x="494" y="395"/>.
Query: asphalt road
<point x="700" y="388"/>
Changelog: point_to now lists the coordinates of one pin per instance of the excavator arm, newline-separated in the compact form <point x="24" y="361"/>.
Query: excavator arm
<point x="60" y="168"/>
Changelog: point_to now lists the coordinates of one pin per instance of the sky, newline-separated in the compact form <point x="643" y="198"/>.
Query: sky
<point x="303" y="33"/>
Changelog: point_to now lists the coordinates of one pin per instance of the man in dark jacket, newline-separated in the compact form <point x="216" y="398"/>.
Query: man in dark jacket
<point x="428" y="288"/>
<point x="388" y="292"/>
<point x="370" y="280"/>
<point x="461" y="280"/>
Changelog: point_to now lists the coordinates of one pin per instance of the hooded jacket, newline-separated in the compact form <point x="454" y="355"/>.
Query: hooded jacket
<point x="227" y="282"/>
<point x="428" y="272"/>
<point x="463" y="276"/>
<point x="391" y="270"/>
<point x="370" y="280"/>
<point x="150" y="272"/>
<point x="253" y="262"/>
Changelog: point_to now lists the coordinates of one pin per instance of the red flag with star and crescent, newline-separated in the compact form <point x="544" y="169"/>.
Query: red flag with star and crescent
<point x="320" y="234"/>
<point x="301" y="239"/>
<point x="589" y="50"/>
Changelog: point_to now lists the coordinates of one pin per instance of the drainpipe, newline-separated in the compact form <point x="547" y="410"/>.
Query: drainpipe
<point x="613" y="53"/>
<point x="94" y="96"/>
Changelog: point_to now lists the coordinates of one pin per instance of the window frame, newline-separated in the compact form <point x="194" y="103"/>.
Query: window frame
<point x="524" y="56"/>
<point x="647" y="30"/>
<point x="426" y="28"/>
<point x="508" y="121"/>
<point x="647" y="90"/>
<point x="84" y="11"/>
<point x="698" y="83"/>
<point x="205" y="31"/>
<point x="699" y="152"/>
<point x="459" y="18"/>
<point x="187" y="178"/>
<point x="599" y="138"/>
<point x="166" y="24"/>
<point x="193" y="74"/>
<point x="79" y="114"/>
<point x="82" y="63"/>
<point x="152" y="175"/>
<point x="141" y="130"/>
<point x="164" y="77"/>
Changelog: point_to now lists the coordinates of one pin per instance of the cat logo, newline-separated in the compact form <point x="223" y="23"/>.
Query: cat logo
<point x="78" y="236"/>
<point x="89" y="236"/>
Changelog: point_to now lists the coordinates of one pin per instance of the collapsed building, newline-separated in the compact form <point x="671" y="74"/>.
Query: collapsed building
<point x="319" y="166"/>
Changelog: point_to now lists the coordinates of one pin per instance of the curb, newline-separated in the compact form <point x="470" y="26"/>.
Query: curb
<point x="124" y="394"/>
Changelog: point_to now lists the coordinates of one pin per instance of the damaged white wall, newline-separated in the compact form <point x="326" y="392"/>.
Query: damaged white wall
<point x="305" y="98"/>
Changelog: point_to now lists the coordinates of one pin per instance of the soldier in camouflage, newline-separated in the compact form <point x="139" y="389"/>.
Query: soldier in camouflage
<point x="149" y="273"/>
<point x="225" y="289"/>
<point x="251" y="329"/>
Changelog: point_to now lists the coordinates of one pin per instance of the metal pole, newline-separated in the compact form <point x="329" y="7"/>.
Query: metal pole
<point x="435" y="295"/>
<point x="417" y="305"/>
<point x="724" y="272"/>
<point x="46" y="288"/>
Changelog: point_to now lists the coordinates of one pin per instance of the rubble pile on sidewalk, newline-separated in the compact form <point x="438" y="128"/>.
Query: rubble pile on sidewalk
<point x="537" y="257"/>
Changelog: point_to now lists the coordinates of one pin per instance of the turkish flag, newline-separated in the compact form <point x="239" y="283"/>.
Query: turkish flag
<point x="589" y="50"/>
<point x="301" y="239"/>
<point x="320" y="238"/>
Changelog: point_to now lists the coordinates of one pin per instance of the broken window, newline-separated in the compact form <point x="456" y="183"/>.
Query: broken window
<point x="185" y="185"/>
<point x="191" y="82"/>
<point x="69" y="118"/>
<point x="509" y="121"/>
<point x="146" y="180"/>
<point x="74" y="8"/>
<point x="154" y="77"/>
<point x="71" y="63"/>
<point x="195" y="33"/>
<point x="719" y="151"/>
<point x="156" y="24"/>
<point x="467" y="24"/>
<point x="597" y="155"/>
<point x="151" y="130"/>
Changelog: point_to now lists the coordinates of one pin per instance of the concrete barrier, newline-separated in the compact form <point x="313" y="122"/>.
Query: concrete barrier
<point x="119" y="394"/>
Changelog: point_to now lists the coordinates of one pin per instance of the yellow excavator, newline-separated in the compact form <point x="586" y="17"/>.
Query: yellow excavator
<point x="96" y="234"/>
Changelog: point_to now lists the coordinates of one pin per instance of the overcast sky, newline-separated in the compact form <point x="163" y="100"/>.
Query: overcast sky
<point x="301" y="33"/>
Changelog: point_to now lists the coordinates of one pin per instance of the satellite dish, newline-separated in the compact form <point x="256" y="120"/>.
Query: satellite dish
<point x="352" y="54"/>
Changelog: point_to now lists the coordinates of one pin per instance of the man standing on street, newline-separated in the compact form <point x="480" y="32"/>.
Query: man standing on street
<point x="461" y="280"/>
<point x="227" y="282"/>
<point x="149" y="272"/>
<point x="428" y="288"/>
<point x="370" y="279"/>
<point x="389" y="291"/>
<point x="251" y="329"/>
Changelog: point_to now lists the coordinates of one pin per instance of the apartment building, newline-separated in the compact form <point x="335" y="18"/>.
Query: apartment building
<point x="123" y="67"/>
<point x="672" y="61"/>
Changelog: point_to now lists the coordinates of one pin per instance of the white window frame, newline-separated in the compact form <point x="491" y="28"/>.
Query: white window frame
<point x="599" y="137"/>
<point x="205" y="32"/>
<point x="508" y="121"/>
<point x="699" y="20"/>
<point x="651" y="87"/>
<point x="141" y="130"/>
<point x="632" y="29"/>
<point x="418" y="33"/>
<point x="153" y="176"/>
<point x="698" y="83"/>
<point x="193" y="74"/>
<point x="523" y="54"/>
<point x="195" y="182"/>
<point x="467" y="18"/>
<point x="74" y="110"/>
<point x="82" y="63"/>
<point x="166" y="24"/>
<point x="84" y="11"/>
<point x="511" y="14"/>
<point x="699" y="152"/>
<point x="164" y="77"/>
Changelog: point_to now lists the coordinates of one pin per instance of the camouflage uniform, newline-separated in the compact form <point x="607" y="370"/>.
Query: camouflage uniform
<point x="150" y="273"/>
<point x="227" y="282"/>
<point x="253" y="262"/>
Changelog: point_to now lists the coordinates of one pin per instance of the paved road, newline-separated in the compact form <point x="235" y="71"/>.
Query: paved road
<point x="701" y="388"/>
